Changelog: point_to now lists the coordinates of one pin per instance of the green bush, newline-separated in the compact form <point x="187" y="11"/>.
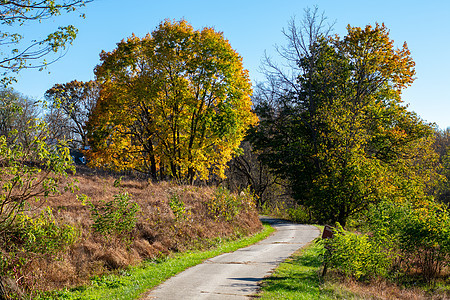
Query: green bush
<point x="403" y="238"/>
<point x="118" y="216"/>
<point x="425" y="238"/>
<point x="419" y="233"/>
<point x="42" y="234"/>
<point x="356" y="255"/>
<point x="225" y="205"/>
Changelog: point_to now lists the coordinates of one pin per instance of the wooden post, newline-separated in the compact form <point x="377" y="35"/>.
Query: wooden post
<point x="327" y="234"/>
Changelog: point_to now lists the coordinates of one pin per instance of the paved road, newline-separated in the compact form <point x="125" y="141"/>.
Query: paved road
<point x="236" y="275"/>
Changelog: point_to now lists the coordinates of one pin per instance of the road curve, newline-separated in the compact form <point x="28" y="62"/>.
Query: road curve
<point x="236" y="275"/>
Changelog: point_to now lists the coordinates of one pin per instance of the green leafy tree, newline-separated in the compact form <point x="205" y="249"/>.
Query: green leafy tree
<point x="174" y="103"/>
<point x="16" y="55"/>
<point x="336" y="129"/>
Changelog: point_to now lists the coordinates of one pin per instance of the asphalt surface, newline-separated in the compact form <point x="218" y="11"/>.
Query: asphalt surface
<point x="236" y="275"/>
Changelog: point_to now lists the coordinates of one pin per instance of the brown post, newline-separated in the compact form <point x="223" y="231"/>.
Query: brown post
<point x="327" y="234"/>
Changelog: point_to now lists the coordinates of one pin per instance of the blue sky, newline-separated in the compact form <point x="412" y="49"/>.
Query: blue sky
<point x="253" y="27"/>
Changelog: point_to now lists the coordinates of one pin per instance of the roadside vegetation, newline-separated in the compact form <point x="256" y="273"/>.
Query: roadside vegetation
<point x="300" y="277"/>
<point x="154" y="184"/>
<point x="133" y="282"/>
<point x="119" y="222"/>
<point x="339" y="141"/>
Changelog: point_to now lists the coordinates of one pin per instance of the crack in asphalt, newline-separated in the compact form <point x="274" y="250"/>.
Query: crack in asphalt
<point x="228" y="294"/>
<point x="238" y="263"/>
<point x="284" y="243"/>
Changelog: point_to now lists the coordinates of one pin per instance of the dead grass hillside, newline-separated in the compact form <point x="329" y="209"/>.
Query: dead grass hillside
<point x="201" y="218"/>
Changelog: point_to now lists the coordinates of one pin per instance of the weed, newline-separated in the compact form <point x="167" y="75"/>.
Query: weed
<point x="118" y="216"/>
<point x="177" y="206"/>
<point x="29" y="239"/>
<point x="98" y="252"/>
<point x="118" y="182"/>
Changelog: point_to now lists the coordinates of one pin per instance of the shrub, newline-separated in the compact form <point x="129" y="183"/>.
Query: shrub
<point x="419" y="233"/>
<point x="43" y="235"/>
<point x="356" y="255"/>
<point x="28" y="239"/>
<point x="226" y="206"/>
<point x="248" y="199"/>
<point x="117" y="216"/>
<point x="298" y="214"/>
<point x="425" y="238"/>
<point x="29" y="172"/>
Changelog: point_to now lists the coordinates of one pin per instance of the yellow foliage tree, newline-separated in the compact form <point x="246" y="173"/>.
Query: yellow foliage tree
<point x="175" y="103"/>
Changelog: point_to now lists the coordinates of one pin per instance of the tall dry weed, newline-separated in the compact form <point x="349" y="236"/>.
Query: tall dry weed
<point x="158" y="230"/>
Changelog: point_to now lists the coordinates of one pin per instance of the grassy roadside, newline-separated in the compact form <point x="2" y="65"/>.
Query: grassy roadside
<point x="162" y="217"/>
<point x="299" y="277"/>
<point x="133" y="282"/>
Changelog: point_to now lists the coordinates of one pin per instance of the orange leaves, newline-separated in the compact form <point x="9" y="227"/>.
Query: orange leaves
<point x="373" y="53"/>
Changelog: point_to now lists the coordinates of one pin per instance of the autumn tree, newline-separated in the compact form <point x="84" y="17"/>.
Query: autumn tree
<point x="174" y="103"/>
<point x="70" y="105"/>
<point x="335" y="126"/>
<point x="16" y="54"/>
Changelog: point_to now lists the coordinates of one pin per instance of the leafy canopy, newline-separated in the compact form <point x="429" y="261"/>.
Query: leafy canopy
<point x="338" y="131"/>
<point x="175" y="103"/>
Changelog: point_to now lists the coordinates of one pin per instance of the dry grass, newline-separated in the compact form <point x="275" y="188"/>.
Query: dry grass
<point x="382" y="289"/>
<point x="157" y="233"/>
<point x="387" y="291"/>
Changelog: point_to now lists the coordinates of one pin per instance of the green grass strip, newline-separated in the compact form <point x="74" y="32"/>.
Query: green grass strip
<point x="135" y="281"/>
<point x="299" y="277"/>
